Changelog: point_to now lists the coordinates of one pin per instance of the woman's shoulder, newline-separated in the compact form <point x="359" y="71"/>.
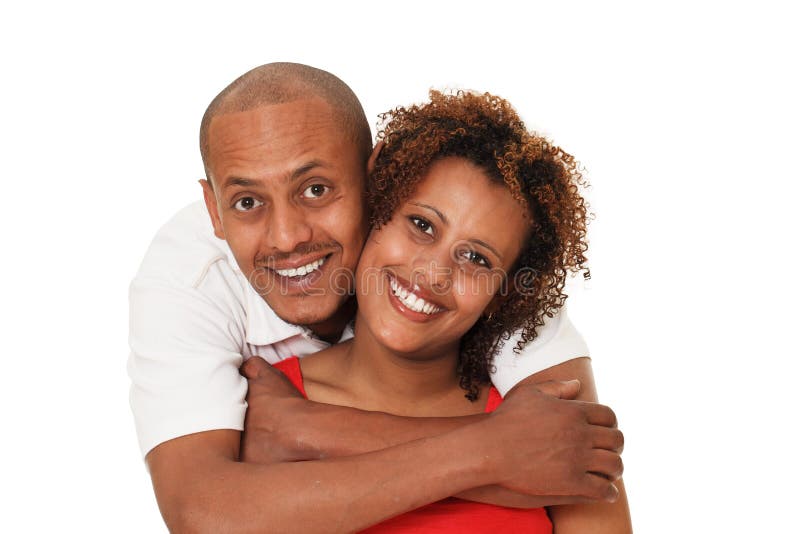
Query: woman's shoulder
<point x="322" y="375"/>
<point x="290" y="367"/>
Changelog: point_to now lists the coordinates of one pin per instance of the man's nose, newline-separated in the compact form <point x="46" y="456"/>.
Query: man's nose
<point x="288" y="227"/>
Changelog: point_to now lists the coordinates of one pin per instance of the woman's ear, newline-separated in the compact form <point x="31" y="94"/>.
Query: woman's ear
<point x="500" y="298"/>
<point x="374" y="156"/>
<point x="494" y="306"/>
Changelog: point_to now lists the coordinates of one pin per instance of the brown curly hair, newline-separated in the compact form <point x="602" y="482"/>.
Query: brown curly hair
<point x="486" y="130"/>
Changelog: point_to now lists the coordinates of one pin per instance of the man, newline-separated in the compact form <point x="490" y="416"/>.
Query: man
<point x="286" y="150"/>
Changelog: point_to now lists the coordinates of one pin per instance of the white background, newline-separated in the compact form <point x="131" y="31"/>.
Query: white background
<point x="684" y="115"/>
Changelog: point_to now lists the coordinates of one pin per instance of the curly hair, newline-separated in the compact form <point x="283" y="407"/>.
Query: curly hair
<point x="543" y="178"/>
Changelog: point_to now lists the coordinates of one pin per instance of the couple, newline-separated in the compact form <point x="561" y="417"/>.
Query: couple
<point x="459" y="195"/>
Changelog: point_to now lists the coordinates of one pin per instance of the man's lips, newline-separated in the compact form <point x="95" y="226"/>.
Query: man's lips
<point x="300" y="267"/>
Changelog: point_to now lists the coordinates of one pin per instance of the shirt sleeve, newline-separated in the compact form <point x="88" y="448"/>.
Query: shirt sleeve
<point x="184" y="363"/>
<point x="557" y="341"/>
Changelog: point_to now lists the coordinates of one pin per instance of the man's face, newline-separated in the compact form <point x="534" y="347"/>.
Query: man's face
<point x="288" y="198"/>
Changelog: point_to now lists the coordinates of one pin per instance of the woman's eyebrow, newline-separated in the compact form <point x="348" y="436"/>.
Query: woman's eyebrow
<point x="488" y="246"/>
<point x="437" y="212"/>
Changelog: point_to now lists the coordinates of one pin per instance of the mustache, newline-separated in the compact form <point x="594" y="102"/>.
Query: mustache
<point x="268" y="260"/>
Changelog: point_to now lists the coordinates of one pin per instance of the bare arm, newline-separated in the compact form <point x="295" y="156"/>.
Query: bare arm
<point x="600" y="518"/>
<point x="201" y="487"/>
<point x="282" y="426"/>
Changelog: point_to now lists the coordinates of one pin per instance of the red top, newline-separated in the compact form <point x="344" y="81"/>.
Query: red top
<point x="449" y="515"/>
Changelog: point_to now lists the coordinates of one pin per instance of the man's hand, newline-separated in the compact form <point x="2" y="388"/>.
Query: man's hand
<point x="543" y="445"/>
<point x="270" y="396"/>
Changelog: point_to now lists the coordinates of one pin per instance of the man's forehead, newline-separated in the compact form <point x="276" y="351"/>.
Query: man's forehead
<point x="278" y="141"/>
<point x="273" y="120"/>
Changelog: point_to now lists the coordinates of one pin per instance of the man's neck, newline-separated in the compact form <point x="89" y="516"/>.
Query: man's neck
<point x="331" y="329"/>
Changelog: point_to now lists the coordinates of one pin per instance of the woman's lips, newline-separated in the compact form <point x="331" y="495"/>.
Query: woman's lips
<point x="412" y="302"/>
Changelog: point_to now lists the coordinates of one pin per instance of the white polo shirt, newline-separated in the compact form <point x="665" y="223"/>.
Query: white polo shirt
<point x="194" y="319"/>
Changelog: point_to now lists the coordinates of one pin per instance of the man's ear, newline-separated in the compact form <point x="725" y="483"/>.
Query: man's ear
<point x="212" y="207"/>
<point x="374" y="156"/>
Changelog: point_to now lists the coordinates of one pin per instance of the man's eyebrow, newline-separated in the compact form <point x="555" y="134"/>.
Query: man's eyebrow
<point x="488" y="246"/>
<point x="231" y="181"/>
<point x="304" y="168"/>
<point x="437" y="212"/>
<point x="297" y="173"/>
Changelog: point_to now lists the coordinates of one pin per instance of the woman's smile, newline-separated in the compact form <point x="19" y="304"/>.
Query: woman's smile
<point x="412" y="301"/>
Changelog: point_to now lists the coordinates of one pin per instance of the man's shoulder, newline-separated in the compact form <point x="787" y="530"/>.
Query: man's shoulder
<point x="185" y="250"/>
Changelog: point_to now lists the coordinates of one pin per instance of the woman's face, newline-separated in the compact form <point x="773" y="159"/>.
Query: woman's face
<point x="427" y="275"/>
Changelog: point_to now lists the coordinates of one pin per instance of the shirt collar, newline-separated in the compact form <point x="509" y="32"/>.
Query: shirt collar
<point x="264" y="327"/>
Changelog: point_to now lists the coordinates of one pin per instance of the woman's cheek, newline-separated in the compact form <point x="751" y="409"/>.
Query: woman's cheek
<point x="475" y="290"/>
<point x="389" y="245"/>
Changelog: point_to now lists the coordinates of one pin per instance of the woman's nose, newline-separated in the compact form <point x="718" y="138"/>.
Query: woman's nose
<point x="434" y="267"/>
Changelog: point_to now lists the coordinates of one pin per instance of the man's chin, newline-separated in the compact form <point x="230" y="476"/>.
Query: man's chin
<point x="306" y="313"/>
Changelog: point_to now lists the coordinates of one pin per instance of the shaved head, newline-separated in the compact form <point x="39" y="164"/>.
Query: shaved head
<point x="280" y="83"/>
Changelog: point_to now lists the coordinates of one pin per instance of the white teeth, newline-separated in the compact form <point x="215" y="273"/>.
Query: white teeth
<point x="302" y="270"/>
<point x="412" y="301"/>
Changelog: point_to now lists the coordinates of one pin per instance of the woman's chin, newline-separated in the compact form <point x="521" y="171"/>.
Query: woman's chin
<point x="401" y="342"/>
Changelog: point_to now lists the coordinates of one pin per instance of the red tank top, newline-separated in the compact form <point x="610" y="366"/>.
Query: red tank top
<point x="449" y="515"/>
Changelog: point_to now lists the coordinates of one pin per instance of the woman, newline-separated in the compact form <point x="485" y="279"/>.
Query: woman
<point x="476" y="223"/>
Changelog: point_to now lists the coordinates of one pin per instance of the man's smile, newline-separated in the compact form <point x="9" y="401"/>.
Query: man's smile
<point x="302" y="270"/>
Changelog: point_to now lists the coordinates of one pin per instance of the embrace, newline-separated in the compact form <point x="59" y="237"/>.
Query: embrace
<point x="408" y="297"/>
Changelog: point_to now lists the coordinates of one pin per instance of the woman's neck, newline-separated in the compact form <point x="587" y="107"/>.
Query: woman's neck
<point x="397" y="379"/>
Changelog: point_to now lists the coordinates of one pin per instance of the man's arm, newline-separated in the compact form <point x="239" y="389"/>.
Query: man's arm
<point x="200" y="485"/>
<point x="282" y="426"/>
<point x="600" y="518"/>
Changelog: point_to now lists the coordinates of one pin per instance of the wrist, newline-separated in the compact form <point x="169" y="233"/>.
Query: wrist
<point x="484" y="459"/>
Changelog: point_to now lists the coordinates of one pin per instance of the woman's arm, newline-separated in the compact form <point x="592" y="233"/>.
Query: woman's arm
<point x="597" y="518"/>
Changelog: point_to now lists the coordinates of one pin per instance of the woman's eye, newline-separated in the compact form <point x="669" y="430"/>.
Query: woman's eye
<point x="247" y="203"/>
<point x="473" y="257"/>
<point x="315" y="191"/>
<point x="423" y="225"/>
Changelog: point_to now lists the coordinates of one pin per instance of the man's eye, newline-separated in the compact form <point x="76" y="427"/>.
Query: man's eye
<point x="315" y="191"/>
<point x="247" y="203"/>
<point x="422" y="224"/>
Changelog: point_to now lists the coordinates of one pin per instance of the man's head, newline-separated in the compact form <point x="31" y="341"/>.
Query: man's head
<point x="285" y="149"/>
